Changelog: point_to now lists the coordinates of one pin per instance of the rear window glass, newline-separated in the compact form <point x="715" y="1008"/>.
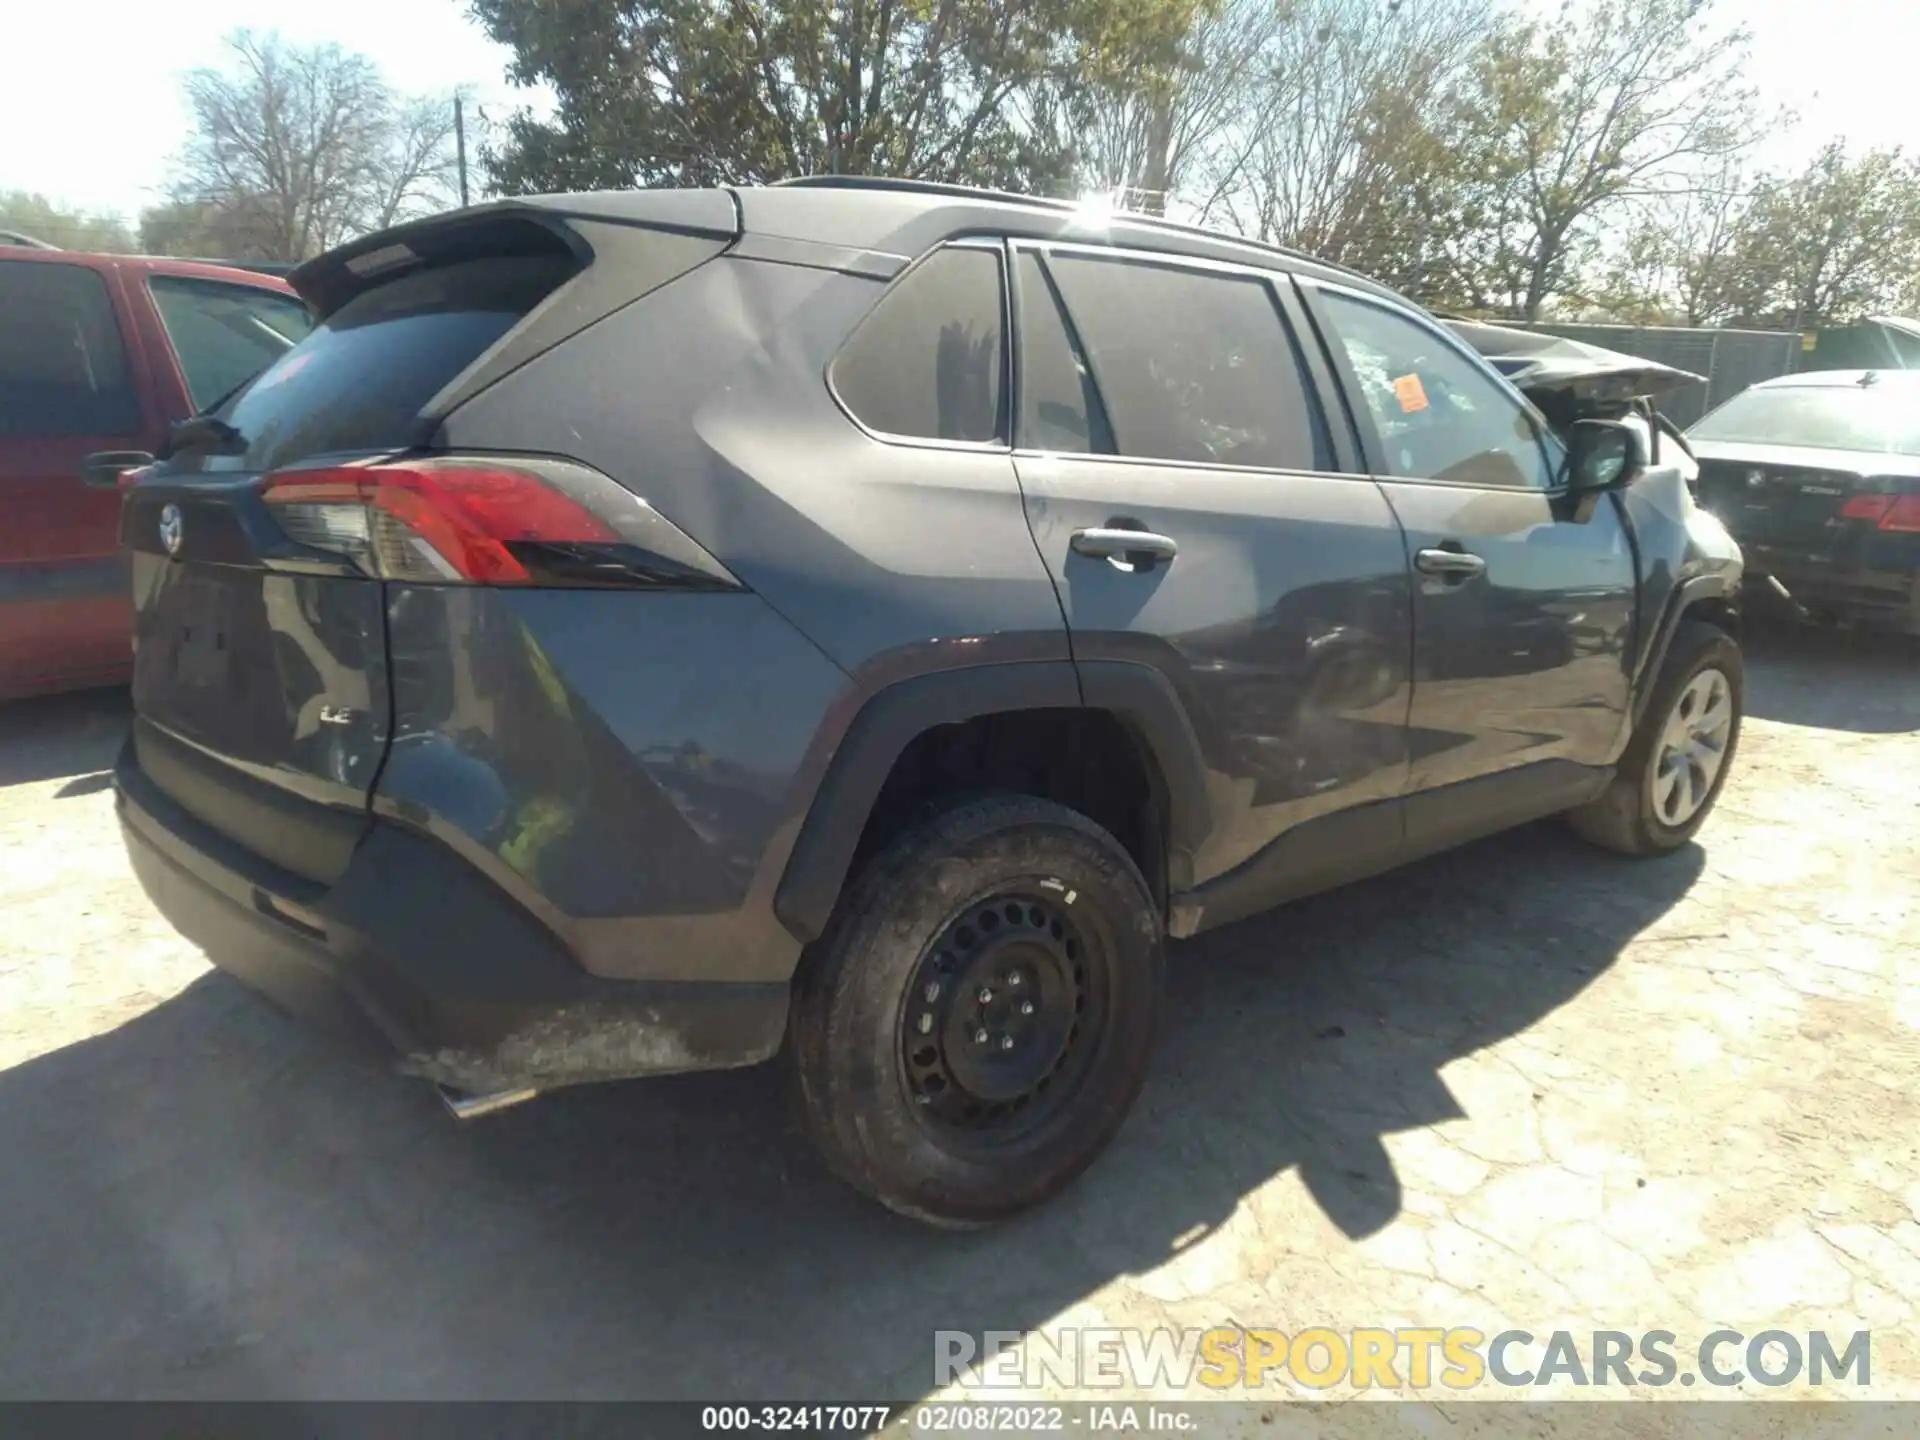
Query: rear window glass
<point x="1882" y="419"/>
<point x="927" y="362"/>
<point x="226" y="334"/>
<point x="360" y="379"/>
<point x="63" y="370"/>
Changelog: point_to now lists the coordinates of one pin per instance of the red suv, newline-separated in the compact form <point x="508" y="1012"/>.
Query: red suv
<point x="102" y="353"/>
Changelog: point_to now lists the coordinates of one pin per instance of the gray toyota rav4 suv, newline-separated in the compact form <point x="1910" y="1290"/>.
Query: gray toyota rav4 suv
<point x="647" y="632"/>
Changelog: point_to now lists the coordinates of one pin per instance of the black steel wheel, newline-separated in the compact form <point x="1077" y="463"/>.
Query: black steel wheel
<point x="999" y="1018"/>
<point x="975" y="1024"/>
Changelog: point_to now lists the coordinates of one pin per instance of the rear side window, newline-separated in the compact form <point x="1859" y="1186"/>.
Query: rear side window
<point x="225" y="334"/>
<point x="1193" y="365"/>
<point x="929" y="359"/>
<point x="360" y="380"/>
<point x="63" y="369"/>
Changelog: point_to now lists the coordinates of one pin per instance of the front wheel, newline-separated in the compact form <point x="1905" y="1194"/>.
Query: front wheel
<point x="975" y="1024"/>
<point x="1671" y="774"/>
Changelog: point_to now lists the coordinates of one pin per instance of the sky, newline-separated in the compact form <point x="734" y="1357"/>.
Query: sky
<point x="93" y="108"/>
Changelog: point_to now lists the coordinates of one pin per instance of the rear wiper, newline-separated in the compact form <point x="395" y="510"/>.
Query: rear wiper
<point x="202" y="435"/>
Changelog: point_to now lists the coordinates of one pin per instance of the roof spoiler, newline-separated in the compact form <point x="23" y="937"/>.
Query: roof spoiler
<point x="528" y="225"/>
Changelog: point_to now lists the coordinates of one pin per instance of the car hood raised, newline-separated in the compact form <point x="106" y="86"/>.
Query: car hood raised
<point x="1541" y="363"/>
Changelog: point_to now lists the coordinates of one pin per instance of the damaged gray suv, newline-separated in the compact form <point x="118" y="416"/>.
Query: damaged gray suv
<point x="649" y="632"/>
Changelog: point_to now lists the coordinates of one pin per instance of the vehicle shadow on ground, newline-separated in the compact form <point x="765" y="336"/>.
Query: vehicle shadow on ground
<point x="1859" y="680"/>
<point x="205" y="1202"/>
<point x="51" y="737"/>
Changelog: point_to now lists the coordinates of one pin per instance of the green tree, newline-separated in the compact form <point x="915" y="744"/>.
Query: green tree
<point x="1610" y="105"/>
<point x="699" y="92"/>
<point x="1837" y="242"/>
<point x="25" y="213"/>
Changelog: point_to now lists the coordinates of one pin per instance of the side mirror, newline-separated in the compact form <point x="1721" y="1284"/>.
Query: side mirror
<point x="102" y="470"/>
<point x="1604" y="455"/>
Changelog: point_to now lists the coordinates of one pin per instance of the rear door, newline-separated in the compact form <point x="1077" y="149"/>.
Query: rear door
<point x="1523" y="601"/>
<point x="1171" y="400"/>
<point x="261" y="671"/>
<point x="67" y="389"/>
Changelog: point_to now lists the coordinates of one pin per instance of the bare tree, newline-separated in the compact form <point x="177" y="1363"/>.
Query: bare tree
<point x="295" y="149"/>
<point x="418" y="169"/>
<point x="1347" y="144"/>
<point x="1158" y="129"/>
<point x="1680" y="260"/>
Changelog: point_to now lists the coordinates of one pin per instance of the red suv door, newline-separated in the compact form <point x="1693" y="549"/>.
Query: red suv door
<point x="68" y="387"/>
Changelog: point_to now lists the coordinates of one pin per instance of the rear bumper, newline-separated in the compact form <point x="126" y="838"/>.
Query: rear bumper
<point x="1883" y="599"/>
<point x="412" y="954"/>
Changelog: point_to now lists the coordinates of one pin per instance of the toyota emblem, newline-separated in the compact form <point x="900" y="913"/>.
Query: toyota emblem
<point x="171" y="528"/>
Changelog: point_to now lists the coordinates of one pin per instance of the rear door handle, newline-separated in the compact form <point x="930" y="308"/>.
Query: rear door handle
<point x="1454" y="564"/>
<point x="1137" y="546"/>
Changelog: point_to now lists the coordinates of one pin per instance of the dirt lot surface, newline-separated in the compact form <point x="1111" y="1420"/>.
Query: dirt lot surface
<point x="1524" y="1085"/>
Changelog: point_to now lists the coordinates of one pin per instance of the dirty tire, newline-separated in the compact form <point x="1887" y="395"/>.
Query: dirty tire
<point x="861" y="995"/>
<point x="1624" y="818"/>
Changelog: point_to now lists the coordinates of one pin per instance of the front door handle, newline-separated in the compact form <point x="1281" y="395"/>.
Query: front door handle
<point x="1453" y="564"/>
<point x="1137" y="547"/>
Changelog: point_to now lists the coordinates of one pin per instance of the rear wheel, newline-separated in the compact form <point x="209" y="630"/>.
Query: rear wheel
<point x="975" y="1024"/>
<point x="1672" y="771"/>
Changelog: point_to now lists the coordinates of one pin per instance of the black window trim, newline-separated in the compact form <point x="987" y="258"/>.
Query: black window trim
<point x="997" y="246"/>
<point x="1074" y="342"/>
<point x="1274" y="282"/>
<point x="1373" y="449"/>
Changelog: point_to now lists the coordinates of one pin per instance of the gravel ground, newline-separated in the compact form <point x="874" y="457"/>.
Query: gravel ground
<point x="1525" y="1085"/>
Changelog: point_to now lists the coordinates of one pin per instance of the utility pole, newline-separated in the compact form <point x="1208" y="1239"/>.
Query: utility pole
<point x="460" y="146"/>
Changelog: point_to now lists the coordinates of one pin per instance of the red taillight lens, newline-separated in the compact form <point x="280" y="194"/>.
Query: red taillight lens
<point x="445" y="520"/>
<point x="1903" y="514"/>
<point x="1866" y="507"/>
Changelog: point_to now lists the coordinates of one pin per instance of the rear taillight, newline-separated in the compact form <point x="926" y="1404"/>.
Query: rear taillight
<point x="452" y="521"/>
<point x="1867" y="507"/>
<point x="1903" y="514"/>
<point x="1887" y="512"/>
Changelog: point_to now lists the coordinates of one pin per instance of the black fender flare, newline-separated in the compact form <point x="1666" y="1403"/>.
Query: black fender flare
<point x="1139" y="696"/>
<point x="1687" y="595"/>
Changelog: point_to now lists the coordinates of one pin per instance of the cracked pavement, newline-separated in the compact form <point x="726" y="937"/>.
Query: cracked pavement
<point x="1524" y="1085"/>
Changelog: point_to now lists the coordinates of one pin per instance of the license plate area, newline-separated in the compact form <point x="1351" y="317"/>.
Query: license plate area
<point x="199" y="634"/>
<point x="1799" y="509"/>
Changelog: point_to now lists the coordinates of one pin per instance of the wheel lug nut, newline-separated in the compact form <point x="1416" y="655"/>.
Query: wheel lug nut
<point x="986" y="995"/>
<point x="1013" y="980"/>
<point x="979" y="1037"/>
<point x="1026" y="1007"/>
<point x="1006" y="1042"/>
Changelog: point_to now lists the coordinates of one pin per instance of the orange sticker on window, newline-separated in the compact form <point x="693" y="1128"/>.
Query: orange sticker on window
<point x="1411" y="394"/>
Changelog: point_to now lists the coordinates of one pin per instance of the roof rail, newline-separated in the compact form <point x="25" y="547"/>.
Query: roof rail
<point x="1132" y="217"/>
<point x="21" y="240"/>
